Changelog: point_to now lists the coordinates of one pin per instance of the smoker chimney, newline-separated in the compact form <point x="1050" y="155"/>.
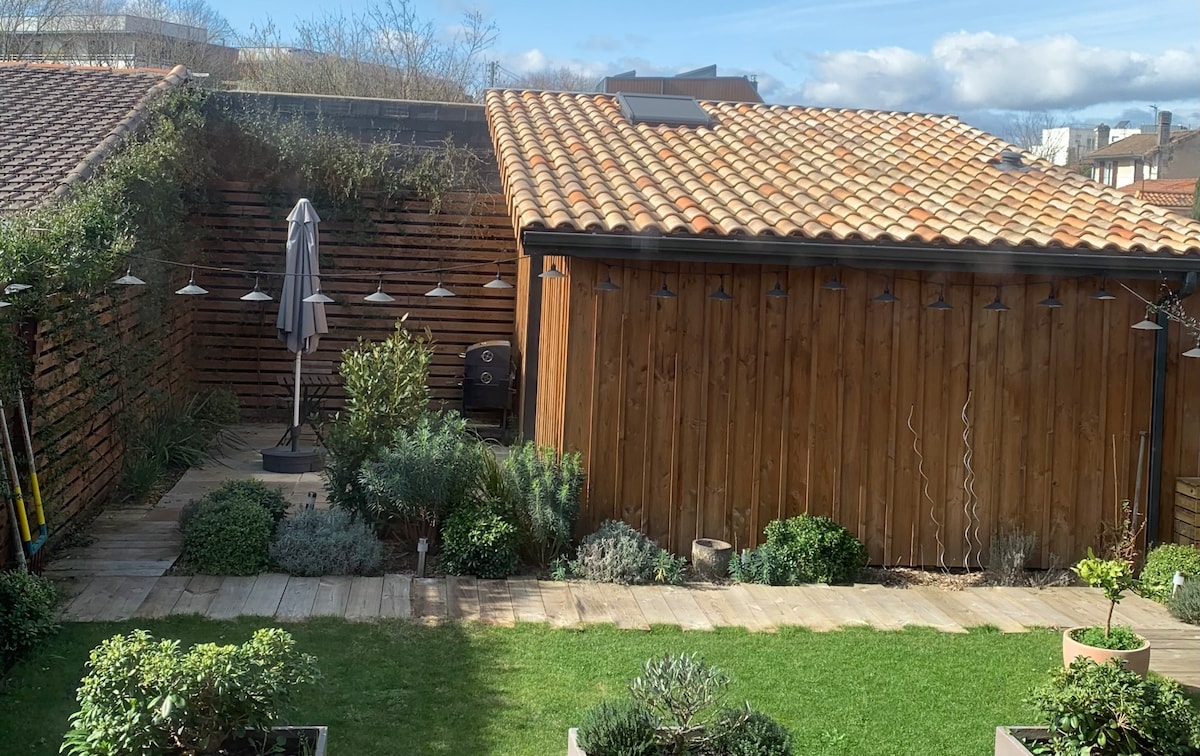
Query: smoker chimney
<point x="1102" y="132"/>
<point x="1164" y="127"/>
<point x="1010" y="160"/>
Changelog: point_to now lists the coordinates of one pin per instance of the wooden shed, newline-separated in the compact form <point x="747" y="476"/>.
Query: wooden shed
<point x="742" y="312"/>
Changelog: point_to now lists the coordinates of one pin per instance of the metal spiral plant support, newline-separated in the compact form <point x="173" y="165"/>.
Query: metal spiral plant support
<point x="937" y="531"/>
<point x="971" y="502"/>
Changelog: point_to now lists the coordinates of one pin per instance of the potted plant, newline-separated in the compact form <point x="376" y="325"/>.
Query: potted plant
<point x="1114" y="577"/>
<point x="1102" y="709"/>
<point x="143" y="695"/>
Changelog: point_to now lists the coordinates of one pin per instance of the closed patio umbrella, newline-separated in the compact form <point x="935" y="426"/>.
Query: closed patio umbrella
<point x="301" y="323"/>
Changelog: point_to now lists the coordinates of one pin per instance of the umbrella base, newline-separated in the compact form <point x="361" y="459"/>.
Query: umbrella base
<point x="281" y="459"/>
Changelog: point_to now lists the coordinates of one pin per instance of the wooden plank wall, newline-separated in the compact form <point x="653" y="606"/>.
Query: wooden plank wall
<point x="702" y="418"/>
<point x="245" y="231"/>
<point x="76" y="404"/>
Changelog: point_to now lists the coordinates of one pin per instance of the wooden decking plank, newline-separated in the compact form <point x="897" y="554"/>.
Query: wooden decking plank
<point x="712" y="602"/>
<point x="1144" y="613"/>
<point x="1081" y="604"/>
<point x="976" y="601"/>
<point x="198" y="596"/>
<point x="589" y="603"/>
<point x="266" y="594"/>
<point x="560" y="606"/>
<point x="130" y="594"/>
<point x="333" y="593"/>
<point x="161" y="600"/>
<point x="527" y="599"/>
<point x="837" y="604"/>
<point x="429" y="599"/>
<point x="624" y="608"/>
<point x="109" y="567"/>
<point x="653" y="605"/>
<point x="396" y="599"/>
<point x="68" y="588"/>
<point x="231" y="597"/>
<point x="883" y="612"/>
<point x="298" y="598"/>
<point x="462" y="598"/>
<point x="933" y="609"/>
<point x="366" y="598"/>
<point x="1042" y="604"/>
<point x="798" y="606"/>
<point x="98" y="593"/>
<point x="771" y="603"/>
<point x="495" y="603"/>
<point x="747" y="609"/>
<point x="686" y="610"/>
<point x="1012" y="605"/>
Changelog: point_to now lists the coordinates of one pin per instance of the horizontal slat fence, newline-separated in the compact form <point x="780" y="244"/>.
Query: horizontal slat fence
<point x="237" y="341"/>
<point x="700" y="418"/>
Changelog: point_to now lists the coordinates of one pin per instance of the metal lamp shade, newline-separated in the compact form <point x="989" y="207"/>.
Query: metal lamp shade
<point x="439" y="291"/>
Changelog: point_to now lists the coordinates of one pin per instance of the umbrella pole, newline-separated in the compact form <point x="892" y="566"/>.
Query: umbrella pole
<point x="296" y="406"/>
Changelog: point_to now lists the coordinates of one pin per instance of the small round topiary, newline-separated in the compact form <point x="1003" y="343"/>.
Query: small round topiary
<point x="227" y="538"/>
<point x="617" y="728"/>
<point x="758" y="735"/>
<point x="478" y="541"/>
<point x="1161" y="565"/>
<point x="813" y="549"/>
<point x="268" y="497"/>
<point x="316" y="542"/>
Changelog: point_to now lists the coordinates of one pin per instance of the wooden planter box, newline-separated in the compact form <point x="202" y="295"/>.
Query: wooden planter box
<point x="573" y="748"/>
<point x="308" y="741"/>
<point x="1187" y="511"/>
<point x="1010" y="741"/>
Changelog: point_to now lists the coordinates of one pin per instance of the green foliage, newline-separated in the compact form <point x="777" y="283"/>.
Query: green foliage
<point x="315" y="542"/>
<point x="683" y="696"/>
<point x="229" y="537"/>
<point x="477" y="540"/>
<point x="803" y="549"/>
<point x="149" y="697"/>
<point x="425" y="473"/>
<point x="1158" y="574"/>
<point x="617" y="728"/>
<point x="545" y="489"/>
<point x="268" y="497"/>
<point x="669" y="568"/>
<point x="1113" y="576"/>
<point x="759" y="735"/>
<point x="1104" y="710"/>
<point x="1118" y="638"/>
<point x="27" y="614"/>
<point x="1195" y="215"/>
<point x="387" y="389"/>
<point x="1185" y="604"/>
<point x="616" y="553"/>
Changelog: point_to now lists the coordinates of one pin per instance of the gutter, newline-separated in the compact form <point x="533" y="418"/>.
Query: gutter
<point x="805" y="252"/>
<point x="1158" y="410"/>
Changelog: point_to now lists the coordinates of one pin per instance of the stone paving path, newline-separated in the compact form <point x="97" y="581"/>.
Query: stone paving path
<point x="122" y="575"/>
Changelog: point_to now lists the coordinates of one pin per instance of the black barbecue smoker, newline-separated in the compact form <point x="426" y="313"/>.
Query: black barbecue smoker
<point x="489" y="380"/>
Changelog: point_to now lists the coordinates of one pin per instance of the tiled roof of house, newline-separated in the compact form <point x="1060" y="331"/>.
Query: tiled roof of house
<point x="57" y="123"/>
<point x="1171" y="193"/>
<point x="1139" y="145"/>
<point x="573" y="162"/>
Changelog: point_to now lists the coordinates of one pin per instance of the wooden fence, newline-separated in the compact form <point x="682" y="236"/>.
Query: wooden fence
<point x="237" y="341"/>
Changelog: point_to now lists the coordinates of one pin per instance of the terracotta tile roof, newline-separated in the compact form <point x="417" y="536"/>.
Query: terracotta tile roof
<point x="1172" y="193"/>
<point x="1139" y="145"/>
<point x="572" y="162"/>
<point x="57" y="123"/>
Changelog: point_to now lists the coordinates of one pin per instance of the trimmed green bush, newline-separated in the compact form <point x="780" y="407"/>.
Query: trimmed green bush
<point x="268" y="497"/>
<point x="231" y="537"/>
<point x="478" y="541"/>
<point x="143" y="696"/>
<point x="803" y="549"/>
<point x="27" y="614"/>
<point x="616" y="553"/>
<point x="758" y="735"/>
<point x="1106" y="710"/>
<point x="1185" y="604"/>
<point x="1162" y="563"/>
<point x="617" y="728"/>
<point x="545" y="489"/>
<point x="1118" y="638"/>
<point x="315" y="542"/>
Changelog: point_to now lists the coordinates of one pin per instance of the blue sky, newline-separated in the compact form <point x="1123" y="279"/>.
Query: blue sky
<point x="1086" y="61"/>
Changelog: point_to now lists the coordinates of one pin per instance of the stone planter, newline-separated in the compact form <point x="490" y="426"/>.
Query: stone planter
<point x="1010" y="741"/>
<point x="573" y="748"/>
<point x="1137" y="660"/>
<point x="710" y="558"/>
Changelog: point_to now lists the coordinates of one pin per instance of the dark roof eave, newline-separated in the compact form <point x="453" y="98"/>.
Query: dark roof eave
<point x="808" y="252"/>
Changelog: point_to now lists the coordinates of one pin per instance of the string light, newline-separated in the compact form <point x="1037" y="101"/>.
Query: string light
<point x="1146" y="324"/>
<point x="1102" y="294"/>
<point x="256" y="294"/>
<point x="996" y="305"/>
<point x="664" y="292"/>
<point x="317" y="297"/>
<point x="439" y="291"/>
<point x="834" y="284"/>
<point x="607" y="284"/>
<point x="497" y="282"/>
<point x="192" y="289"/>
<point x="778" y="292"/>
<point x="940" y="303"/>
<point x="13" y="288"/>
<point x="1194" y="351"/>
<point x="379" y="295"/>
<point x="1051" y="300"/>
<point x="720" y="294"/>
<point x="129" y="279"/>
<point x="554" y="272"/>
<point x="887" y="297"/>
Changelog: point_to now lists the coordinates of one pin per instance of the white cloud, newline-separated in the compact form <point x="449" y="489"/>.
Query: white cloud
<point x="965" y="71"/>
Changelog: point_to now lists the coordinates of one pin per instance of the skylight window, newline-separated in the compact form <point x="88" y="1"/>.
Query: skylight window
<point x="662" y="110"/>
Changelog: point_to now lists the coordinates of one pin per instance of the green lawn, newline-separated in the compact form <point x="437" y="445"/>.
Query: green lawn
<point x="400" y="688"/>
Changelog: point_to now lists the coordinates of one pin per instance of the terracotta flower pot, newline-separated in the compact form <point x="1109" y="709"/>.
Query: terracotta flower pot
<point x="710" y="558"/>
<point x="1137" y="660"/>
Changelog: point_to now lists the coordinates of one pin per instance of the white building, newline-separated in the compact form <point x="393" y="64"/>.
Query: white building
<point x="1068" y="145"/>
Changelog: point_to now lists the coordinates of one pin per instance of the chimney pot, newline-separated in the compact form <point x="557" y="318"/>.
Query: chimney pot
<point x="1102" y="134"/>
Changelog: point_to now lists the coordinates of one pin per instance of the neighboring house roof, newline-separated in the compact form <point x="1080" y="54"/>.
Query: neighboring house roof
<point x="574" y="163"/>
<point x="1139" y="145"/>
<point x="57" y="123"/>
<point x="1172" y="193"/>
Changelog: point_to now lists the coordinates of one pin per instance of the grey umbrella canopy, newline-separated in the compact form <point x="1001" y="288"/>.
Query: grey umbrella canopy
<point x="300" y="323"/>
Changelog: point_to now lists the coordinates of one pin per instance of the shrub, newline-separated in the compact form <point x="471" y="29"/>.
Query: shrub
<point x="479" y="541"/>
<point x="1161" y="565"/>
<point x="803" y="549"/>
<point x="1009" y="554"/>
<point x="315" y="542"/>
<point x="180" y="434"/>
<point x="229" y="537"/>
<point x="1113" y="576"/>
<point x="1106" y="709"/>
<point x="758" y="735"/>
<point x="425" y="473"/>
<point x="616" y="553"/>
<point x="27" y="614"/>
<point x="269" y="498"/>
<point x="545" y="488"/>
<point x="617" y="728"/>
<point x="143" y="696"/>
<point x="1118" y="638"/>
<point x="1185" y="604"/>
